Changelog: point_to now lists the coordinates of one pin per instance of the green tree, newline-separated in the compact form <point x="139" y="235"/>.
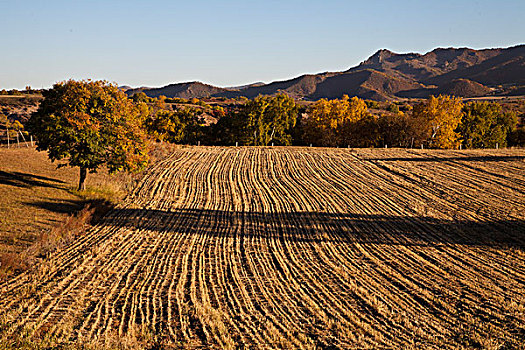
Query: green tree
<point x="184" y="125"/>
<point x="371" y="104"/>
<point x="264" y="120"/>
<point x="165" y="126"/>
<point x="140" y="97"/>
<point x="194" y="124"/>
<point x="484" y="125"/>
<point x="394" y="108"/>
<point x="517" y="137"/>
<point x="90" y="124"/>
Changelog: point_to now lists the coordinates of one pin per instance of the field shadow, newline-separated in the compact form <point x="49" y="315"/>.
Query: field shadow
<point x="319" y="227"/>
<point x="64" y="206"/>
<point x="18" y="179"/>
<point x="452" y="159"/>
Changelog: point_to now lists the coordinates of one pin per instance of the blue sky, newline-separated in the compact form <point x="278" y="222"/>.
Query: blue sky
<point x="232" y="42"/>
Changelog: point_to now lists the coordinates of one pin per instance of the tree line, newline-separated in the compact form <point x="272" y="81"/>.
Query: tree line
<point x="93" y="123"/>
<point x="437" y="122"/>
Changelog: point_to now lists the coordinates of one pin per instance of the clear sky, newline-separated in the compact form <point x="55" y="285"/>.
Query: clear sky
<point x="232" y="42"/>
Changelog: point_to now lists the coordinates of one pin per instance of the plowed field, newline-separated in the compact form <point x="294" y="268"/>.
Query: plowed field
<point x="296" y="248"/>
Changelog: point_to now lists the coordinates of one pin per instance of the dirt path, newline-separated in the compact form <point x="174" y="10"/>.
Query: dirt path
<point x="297" y="248"/>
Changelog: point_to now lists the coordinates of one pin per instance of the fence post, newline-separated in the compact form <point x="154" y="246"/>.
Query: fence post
<point x="236" y="144"/>
<point x="198" y="143"/>
<point x="31" y="140"/>
<point x="497" y="145"/>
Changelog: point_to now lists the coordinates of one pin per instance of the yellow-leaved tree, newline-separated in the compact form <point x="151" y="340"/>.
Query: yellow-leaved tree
<point x="328" y="119"/>
<point x="441" y="116"/>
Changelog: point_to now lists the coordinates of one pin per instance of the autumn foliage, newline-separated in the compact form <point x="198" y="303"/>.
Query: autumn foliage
<point x="441" y="116"/>
<point x="437" y="122"/>
<point x="91" y="124"/>
<point x="329" y="119"/>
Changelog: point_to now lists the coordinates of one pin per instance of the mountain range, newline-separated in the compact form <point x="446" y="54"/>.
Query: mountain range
<point x="386" y="75"/>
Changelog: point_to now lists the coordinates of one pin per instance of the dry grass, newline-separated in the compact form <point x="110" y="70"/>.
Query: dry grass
<point x="39" y="206"/>
<point x="40" y="209"/>
<point x="292" y="248"/>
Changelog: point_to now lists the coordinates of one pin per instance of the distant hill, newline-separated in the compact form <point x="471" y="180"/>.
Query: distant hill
<point x="463" y="88"/>
<point x="260" y="83"/>
<point x="181" y="90"/>
<point x="505" y="68"/>
<point x="386" y="75"/>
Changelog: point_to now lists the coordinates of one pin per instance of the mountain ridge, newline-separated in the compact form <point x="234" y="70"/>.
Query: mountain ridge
<point x="387" y="75"/>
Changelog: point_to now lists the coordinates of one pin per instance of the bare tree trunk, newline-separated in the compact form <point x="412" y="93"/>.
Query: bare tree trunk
<point x="82" y="179"/>
<point x="21" y="133"/>
<point x="272" y="134"/>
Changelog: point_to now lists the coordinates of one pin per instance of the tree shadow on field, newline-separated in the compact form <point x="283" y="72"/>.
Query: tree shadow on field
<point x="98" y="206"/>
<point x="63" y="206"/>
<point x="25" y="180"/>
<point x="317" y="227"/>
<point x="452" y="159"/>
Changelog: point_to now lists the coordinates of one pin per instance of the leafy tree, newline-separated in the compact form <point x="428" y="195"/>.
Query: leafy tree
<point x="194" y="125"/>
<point x="328" y="122"/>
<point x="440" y="116"/>
<point x="218" y="111"/>
<point x="165" y="126"/>
<point x="363" y="132"/>
<point x="393" y="108"/>
<point x="14" y="92"/>
<point x="90" y="124"/>
<point x="263" y="120"/>
<point x="140" y="97"/>
<point x="400" y="130"/>
<point x="226" y="131"/>
<point x="12" y="129"/>
<point x="372" y="104"/>
<point x="484" y="125"/>
<point x="17" y="126"/>
<point x="183" y="125"/>
<point x="517" y="137"/>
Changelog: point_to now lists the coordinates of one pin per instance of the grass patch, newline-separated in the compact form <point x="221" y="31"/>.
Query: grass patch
<point x="40" y="210"/>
